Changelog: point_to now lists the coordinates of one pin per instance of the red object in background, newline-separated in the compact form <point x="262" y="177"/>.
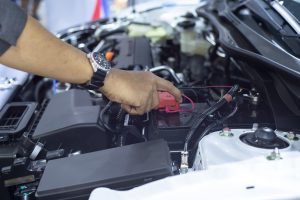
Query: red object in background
<point x="97" y="10"/>
<point x="168" y="102"/>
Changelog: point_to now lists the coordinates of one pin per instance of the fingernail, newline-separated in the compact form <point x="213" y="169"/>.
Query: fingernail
<point x="180" y="100"/>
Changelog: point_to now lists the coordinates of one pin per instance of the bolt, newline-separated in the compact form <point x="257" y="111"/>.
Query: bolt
<point x="275" y="155"/>
<point x="226" y="132"/>
<point x="291" y="136"/>
<point x="254" y="126"/>
<point x="255" y="100"/>
<point x="184" y="166"/>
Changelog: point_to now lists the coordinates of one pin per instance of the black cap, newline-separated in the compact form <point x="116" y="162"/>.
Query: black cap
<point x="187" y="24"/>
<point x="189" y="15"/>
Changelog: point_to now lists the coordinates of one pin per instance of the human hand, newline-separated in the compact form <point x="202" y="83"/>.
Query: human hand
<point x="136" y="91"/>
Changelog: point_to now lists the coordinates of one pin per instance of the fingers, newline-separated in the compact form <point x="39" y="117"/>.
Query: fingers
<point x="167" y="86"/>
<point x="133" y="110"/>
<point x="137" y="91"/>
<point x="151" y="103"/>
<point x="127" y="108"/>
<point x="155" y="100"/>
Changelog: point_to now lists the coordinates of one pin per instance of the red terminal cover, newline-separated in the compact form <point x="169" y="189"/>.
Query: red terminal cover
<point x="167" y="102"/>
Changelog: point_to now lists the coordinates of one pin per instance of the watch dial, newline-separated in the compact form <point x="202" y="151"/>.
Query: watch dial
<point x="101" y="61"/>
<point x="97" y="57"/>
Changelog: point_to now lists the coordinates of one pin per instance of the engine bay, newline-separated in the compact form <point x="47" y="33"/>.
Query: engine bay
<point x="59" y="141"/>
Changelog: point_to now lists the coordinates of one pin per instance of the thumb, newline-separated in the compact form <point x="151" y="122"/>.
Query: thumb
<point x="167" y="86"/>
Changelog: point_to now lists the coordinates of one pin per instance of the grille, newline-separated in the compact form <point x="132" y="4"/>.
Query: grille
<point x="38" y="116"/>
<point x="12" y="117"/>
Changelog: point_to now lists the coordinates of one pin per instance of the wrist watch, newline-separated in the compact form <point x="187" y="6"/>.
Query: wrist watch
<point x="101" y="68"/>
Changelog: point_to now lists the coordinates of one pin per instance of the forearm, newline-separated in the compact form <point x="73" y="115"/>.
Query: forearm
<point x="39" y="52"/>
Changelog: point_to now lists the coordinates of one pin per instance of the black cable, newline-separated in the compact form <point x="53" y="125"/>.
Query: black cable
<point x="201" y="118"/>
<point x="214" y="124"/>
<point x="208" y="112"/>
<point x="39" y="86"/>
<point x="132" y="130"/>
<point x="103" y="111"/>
<point x="104" y="35"/>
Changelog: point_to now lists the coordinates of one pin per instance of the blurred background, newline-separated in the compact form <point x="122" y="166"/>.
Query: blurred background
<point x="56" y="15"/>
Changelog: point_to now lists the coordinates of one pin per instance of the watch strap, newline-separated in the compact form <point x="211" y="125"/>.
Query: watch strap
<point x="98" y="77"/>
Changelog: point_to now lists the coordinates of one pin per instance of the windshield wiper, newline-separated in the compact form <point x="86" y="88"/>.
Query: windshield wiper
<point x="266" y="9"/>
<point x="286" y="15"/>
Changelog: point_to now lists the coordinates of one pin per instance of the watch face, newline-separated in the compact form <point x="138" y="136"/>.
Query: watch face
<point x="101" y="61"/>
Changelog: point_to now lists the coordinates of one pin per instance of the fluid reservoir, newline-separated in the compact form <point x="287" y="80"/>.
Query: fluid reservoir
<point x="191" y="41"/>
<point x="187" y="36"/>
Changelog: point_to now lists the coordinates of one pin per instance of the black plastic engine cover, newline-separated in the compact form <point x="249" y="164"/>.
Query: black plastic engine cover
<point x="117" y="168"/>
<point x="70" y="122"/>
<point x="131" y="52"/>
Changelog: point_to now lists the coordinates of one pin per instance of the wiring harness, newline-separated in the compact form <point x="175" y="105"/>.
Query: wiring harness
<point x="227" y="98"/>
